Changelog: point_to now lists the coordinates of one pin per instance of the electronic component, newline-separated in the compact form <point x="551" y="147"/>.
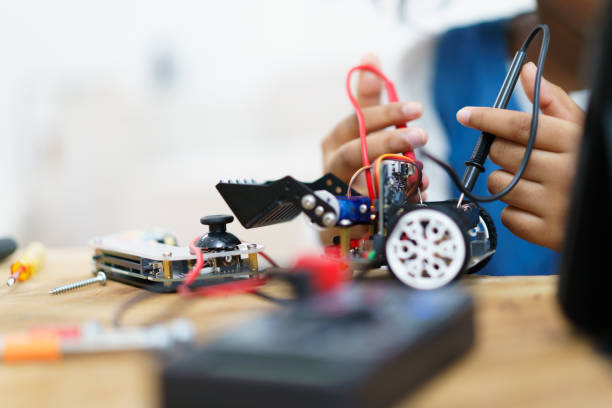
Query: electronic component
<point x="161" y="267"/>
<point x="355" y="210"/>
<point x="426" y="245"/>
<point x="28" y="263"/>
<point x="395" y="178"/>
<point x="365" y="345"/>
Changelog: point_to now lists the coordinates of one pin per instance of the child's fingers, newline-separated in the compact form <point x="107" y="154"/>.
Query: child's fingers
<point x="527" y="195"/>
<point x="424" y="183"/>
<point x="525" y="225"/>
<point x="376" y="118"/>
<point x="509" y="155"/>
<point x="556" y="135"/>
<point x="554" y="101"/>
<point x="347" y="158"/>
<point x="369" y="85"/>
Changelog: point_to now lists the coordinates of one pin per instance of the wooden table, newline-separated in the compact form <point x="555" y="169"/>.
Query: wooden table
<point x="525" y="353"/>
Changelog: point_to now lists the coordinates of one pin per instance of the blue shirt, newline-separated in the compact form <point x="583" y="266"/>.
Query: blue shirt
<point x="470" y="66"/>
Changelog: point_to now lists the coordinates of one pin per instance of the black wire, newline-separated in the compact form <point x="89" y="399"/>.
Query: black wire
<point x="362" y="269"/>
<point x="151" y="291"/>
<point x="273" y="299"/>
<point x="128" y="304"/>
<point x="533" y="128"/>
<point x="140" y="297"/>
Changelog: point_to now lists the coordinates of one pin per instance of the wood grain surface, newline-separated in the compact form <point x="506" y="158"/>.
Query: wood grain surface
<point x="525" y="355"/>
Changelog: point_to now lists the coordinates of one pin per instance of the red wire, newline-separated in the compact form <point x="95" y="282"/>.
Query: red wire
<point x="229" y="288"/>
<point x="195" y="270"/>
<point x="267" y="258"/>
<point x="391" y="95"/>
<point x="224" y="289"/>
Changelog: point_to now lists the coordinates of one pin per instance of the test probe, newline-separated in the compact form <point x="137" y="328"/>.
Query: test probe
<point x="475" y="165"/>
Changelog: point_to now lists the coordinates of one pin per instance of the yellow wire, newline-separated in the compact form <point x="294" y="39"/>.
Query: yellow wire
<point x="348" y="193"/>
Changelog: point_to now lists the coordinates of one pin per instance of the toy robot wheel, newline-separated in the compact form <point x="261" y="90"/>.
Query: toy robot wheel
<point x="427" y="248"/>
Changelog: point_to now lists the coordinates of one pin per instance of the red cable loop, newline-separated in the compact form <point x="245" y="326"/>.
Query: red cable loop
<point x="392" y="96"/>
<point x="229" y="288"/>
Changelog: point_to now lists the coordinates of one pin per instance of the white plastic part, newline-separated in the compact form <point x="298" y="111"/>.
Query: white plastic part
<point x="329" y="199"/>
<point x="123" y="243"/>
<point x="426" y="249"/>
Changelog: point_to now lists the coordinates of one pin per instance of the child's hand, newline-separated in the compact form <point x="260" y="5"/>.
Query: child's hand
<point x="342" y="147"/>
<point x="538" y="204"/>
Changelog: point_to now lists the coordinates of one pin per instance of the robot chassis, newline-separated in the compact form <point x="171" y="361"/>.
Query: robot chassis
<point x="425" y="245"/>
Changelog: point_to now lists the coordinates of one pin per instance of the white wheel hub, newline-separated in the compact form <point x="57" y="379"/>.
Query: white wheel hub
<point x="426" y="249"/>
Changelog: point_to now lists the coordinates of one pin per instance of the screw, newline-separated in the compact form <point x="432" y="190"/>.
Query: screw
<point x="100" y="277"/>
<point x="308" y="202"/>
<point x="329" y="219"/>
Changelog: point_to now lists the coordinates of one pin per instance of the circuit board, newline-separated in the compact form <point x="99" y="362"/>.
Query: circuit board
<point x="159" y="266"/>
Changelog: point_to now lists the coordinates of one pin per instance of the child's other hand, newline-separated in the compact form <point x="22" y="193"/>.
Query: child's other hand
<point x="538" y="204"/>
<point x="342" y="147"/>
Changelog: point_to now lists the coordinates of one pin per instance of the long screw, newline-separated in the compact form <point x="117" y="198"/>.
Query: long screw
<point x="100" y="277"/>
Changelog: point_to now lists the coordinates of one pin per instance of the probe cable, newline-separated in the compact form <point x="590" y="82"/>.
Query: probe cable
<point x="543" y="28"/>
<point x="392" y="96"/>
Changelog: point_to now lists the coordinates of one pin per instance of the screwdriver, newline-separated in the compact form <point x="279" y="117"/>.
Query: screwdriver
<point x="29" y="262"/>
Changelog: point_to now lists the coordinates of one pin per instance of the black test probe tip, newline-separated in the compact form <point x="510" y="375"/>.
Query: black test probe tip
<point x="475" y="165"/>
